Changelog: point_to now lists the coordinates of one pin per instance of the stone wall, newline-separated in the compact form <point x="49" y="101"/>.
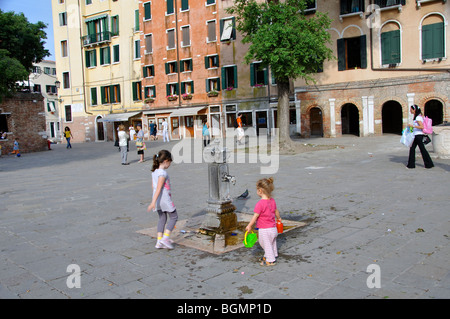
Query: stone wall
<point x="25" y="118"/>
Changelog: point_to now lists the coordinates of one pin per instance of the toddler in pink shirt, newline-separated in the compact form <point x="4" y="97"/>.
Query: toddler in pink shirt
<point x="265" y="213"/>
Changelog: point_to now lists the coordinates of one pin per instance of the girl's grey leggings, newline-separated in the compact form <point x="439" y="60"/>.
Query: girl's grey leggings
<point x="173" y="217"/>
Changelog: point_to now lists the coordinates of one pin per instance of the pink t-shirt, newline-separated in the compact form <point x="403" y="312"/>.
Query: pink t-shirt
<point x="266" y="210"/>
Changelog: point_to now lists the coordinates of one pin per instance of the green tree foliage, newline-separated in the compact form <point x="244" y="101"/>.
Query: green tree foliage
<point x="21" y="45"/>
<point x="293" y="44"/>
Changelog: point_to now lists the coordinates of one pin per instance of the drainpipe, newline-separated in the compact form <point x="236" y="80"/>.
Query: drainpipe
<point x="178" y="52"/>
<point x="396" y="69"/>
<point x="82" y="66"/>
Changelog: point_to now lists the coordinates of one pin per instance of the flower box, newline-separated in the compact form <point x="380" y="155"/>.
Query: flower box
<point x="149" y="100"/>
<point x="213" y="93"/>
<point x="172" y="97"/>
<point x="187" y="96"/>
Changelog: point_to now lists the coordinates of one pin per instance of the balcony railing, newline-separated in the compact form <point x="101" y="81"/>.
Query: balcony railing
<point x="96" y="38"/>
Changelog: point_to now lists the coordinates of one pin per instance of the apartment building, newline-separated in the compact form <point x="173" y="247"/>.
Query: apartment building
<point x="94" y="44"/>
<point x="390" y="54"/>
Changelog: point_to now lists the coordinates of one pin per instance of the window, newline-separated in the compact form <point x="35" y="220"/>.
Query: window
<point x="68" y="112"/>
<point x="105" y="55"/>
<point x="64" y="48"/>
<point x="147" y="11"/>
<point x="63" y="19"/>
<point x="170" y="39"/>
<point x="93" y="96"/>
<point x="88" y="2"/>
<point x="212" y="61"/>
<point x="212" y="84"/>
<point x="172" y="89"/>
<point x="37" y="88"/>
<point x="110" y="94"/>
<point x="3" y="123"/>
<point x="136" y="20"/>
<point x="258" y="74"/>
<point x="184" y="5"/>
<point x="227" y="29"/>
<point x="37" y="69"/>
<point x="390" y="47"/>
<point x="46" y="70"/>
<point x="187" y="87"/>
<point x="91" y="58"/>
<point x="171" y="67"/>
<point x="186" y="39"/>
<point x="116" y="53"/>
<point x="210" y="2"/>
<point x="137" y="91"/>
<point x="115" y="25"/>
<point x="137" y="49"/>
<point x="388" y="3"/>
<point x="211" y="31"/>
<point x="51" y="89"/>
<point x="66" y="80"/>
<point x="351" y="6"/>
<point x="170" y="7"/>
<point x="186" y="65"/>
<point x="149" y="91"/>
<point x="229" y="77"/>
<point x="352" y="53"/>
<point x="433" y="42"/>
<point x="148" y="71"/>
<point x="148" y="43"/>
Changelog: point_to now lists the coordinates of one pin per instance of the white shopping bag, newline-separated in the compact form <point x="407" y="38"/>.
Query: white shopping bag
<point x="407" y="137"/>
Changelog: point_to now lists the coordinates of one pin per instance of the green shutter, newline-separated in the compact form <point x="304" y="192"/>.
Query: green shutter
<point x="341" y="54"/>
<point x="88" y="59"/>
<point x="93" y="96"/>
<point x="207" y="85"/>
<point x="183" y="88"/>
<point x="152" y="70"/>
<point x="224" y="78"/>
<point x="266" y="75"/>
<point x="362" y="46"/>
<point x="134" y="88"/>
<point x="170" y="8"/>
<point x="102" y="94"/>
<point x="108" y="55"/>
<point x="177" y="89"/>
<point x="167" y="89"/>
<point x="184" y="5"/>
<point x="235" y="76"/>
<point x="206" y="62"/>
<point x="395" y="47"/>
<point x="167" y="68"/>
<point x="147" y="11"/>
<point x="136" y="20"/>
<point x="192" y="86"/>
<point x="181" y="66"/>
<point x="390" y="47"/>
<point x="433" y="41"/>
<point x="252" y="74"/>
<point x="116" y="53"/>
<point x="118" y="93"/>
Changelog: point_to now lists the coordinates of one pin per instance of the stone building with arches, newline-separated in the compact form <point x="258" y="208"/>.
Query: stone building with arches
<point x="389" y="56"/>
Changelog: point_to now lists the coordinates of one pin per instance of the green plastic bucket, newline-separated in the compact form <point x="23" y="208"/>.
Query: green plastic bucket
<point x="250" y="239"/>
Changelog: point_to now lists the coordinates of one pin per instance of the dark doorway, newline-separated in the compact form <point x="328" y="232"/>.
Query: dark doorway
<point x="392" y="118"/>
<point x="350" y="119"/>
<point x="435" y="111"/>
<point x="100" y="130"/>
<point x="261" y="122"/>
<point x="316" y="122"/>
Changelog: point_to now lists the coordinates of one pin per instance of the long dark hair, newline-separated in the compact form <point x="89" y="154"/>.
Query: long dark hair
<point x="417" y="111"/>
<point x="160" y="157"/>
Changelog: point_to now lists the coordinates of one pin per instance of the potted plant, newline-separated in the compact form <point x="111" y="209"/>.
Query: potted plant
<point x="230" y="88"/>
<point x="213" y="93"/>
<point x="187" y="96"/>
<point x="149" y="100"/>
<point x="172" y="97"/>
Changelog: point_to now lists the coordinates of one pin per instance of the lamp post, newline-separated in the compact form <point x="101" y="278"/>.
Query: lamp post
<point x="58" y="85"/>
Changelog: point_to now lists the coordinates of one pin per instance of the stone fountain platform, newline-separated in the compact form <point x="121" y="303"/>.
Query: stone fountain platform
<point x="187" y="233"/>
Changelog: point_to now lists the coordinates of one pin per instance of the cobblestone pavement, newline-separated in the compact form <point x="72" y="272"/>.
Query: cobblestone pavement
<point x="370" y="220"/>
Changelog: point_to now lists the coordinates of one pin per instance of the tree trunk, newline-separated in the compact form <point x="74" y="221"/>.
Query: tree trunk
<point x="286" y="144"/>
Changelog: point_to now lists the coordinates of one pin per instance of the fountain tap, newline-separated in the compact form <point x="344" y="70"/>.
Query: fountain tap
<point x="229" y="178"/>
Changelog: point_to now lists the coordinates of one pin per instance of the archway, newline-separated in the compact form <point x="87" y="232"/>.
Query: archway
<point x="435" y="111"/>
<point x="316" y="121"/>
<point x="350" y="119"/>
<point x="392" y="118"/>
<point x="100" y="129"/>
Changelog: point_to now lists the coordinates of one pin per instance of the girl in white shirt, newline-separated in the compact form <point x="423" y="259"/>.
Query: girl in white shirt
<point x="418" y="140"/>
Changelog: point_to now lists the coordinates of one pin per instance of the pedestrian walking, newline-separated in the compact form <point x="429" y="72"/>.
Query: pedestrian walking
<point x="140" y="142"/>
<point x="123" y="144"/>
<point x="205" y="133"/>
<point x="162" y="199"/>
<point x="264" y="216"/>
<point x="239" y="129"/>
<point x="152" y="130"/>
<point x="418" y="140"/>
<point x="16" y="149"/>
<point x="165" y="131"/>
<point x="68" y="135"/>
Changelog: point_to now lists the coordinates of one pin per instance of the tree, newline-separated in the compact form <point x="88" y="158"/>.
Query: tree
<point x="283" y="37"/>
<point x="21" y="45"/>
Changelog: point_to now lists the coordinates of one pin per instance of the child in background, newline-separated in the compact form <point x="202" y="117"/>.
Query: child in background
<point x="265" y="213"/>
<point x="16" y="147"/>
<point x="162" y="199"/>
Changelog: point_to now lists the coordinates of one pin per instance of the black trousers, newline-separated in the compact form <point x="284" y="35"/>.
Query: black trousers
<point x="418" y="141"/>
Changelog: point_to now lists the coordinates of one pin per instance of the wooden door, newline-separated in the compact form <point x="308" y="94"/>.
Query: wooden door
<point x="316" y="121"/>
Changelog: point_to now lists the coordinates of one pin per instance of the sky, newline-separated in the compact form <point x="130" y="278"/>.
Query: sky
<point x="35" y="10"/>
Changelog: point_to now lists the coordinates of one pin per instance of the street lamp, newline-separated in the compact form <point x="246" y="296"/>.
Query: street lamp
<point x="57" y="84"/>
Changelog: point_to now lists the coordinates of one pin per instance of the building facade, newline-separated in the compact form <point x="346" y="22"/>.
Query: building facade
<point x="390" y="54"/>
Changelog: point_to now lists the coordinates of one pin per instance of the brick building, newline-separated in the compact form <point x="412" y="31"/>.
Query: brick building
<point x="23" y="116"/>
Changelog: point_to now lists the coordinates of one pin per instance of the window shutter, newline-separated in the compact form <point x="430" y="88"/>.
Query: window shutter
<point x="252" y="74"/>
<point x="167" y="89"/>
<point x="177" y="88"/>
<point x="94" y="96"/>
<point x="218" y="84"/>
<point x="170" y="7"/>
<point x="341" y="54"/>
<point x="88" y="60"/>
<point x="395" y="46"/>
<point x="207" y="85"/>
<point x="363" y="48"/>
<point x="108" y="55"/>
<point x="266" y="75"/>
<point x="134" y="88"/>
<point x="147" y="11"/>
<point x="206" y="62"/>
<point x="235" y="76"/>
<point x="184" y="5"/>
<point x="183" y="87"/>
<point x="181" y="66"/>
<point x="438" y="40"/>
<point x="167" y="68"/>
<point x="152" y="70"/>
<point x="102" y="94"/>
<point x="144" y="71"/>
<point x="192" y="87"/>
<point x="385" y="47"/>
<point x="118" y="93"/>
<point x="224" y="79"/>
<point x="136" y="19"/>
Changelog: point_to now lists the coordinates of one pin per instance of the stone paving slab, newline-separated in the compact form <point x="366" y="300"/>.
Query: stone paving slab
<point x="360" y="203"/>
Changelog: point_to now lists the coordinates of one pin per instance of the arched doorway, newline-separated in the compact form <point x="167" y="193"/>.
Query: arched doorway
<point x="435" y="111"/>
<point x="392" y="118"/>
<point x="350" y="119"/>
<point x="316" y="121"/>
<point x="100" y="129"/>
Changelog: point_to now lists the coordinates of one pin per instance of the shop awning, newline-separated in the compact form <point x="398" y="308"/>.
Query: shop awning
<point x="157" y="112"/>
<point x="118" y="117"/>
<point x="187" y="111"/>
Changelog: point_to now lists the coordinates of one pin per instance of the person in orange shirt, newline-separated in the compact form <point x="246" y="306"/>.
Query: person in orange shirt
<point x="239" y="129"/>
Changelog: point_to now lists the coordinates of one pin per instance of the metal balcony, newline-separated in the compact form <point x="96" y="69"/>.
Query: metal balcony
<point x="96" y="38"/>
